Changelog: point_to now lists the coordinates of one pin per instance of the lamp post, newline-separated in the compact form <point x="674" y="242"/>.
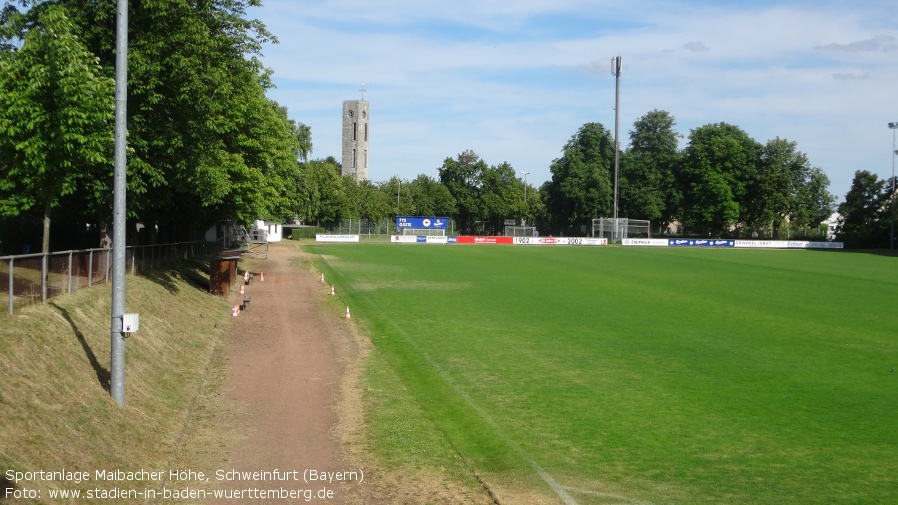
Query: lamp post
<point x="525" y="174"/>
<point x="893" y="126"/>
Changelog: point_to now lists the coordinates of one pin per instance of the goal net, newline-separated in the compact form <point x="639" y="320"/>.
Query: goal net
<point x="520" y="231"/>
<point x="604" y="227"/>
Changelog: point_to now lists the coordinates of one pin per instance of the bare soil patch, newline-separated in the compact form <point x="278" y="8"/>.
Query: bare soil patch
<point x="282" y="396"/>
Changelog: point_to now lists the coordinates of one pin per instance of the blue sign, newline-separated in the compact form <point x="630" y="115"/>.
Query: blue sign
<point x="435" y="223"/>
<point x="700" y="242"/>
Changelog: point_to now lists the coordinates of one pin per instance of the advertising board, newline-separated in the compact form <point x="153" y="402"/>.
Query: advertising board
<point x="700" y="242"/>
<point x="646" y="242"/>
<point x="591" y="241"/>
<point x="788" y="244"/>
<point x="320" y="237"/>
<point x="470" y="239"/>
<point x="436" y="223"/>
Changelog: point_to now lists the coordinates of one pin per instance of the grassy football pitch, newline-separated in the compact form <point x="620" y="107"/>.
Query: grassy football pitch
<point x="640" y="375"/>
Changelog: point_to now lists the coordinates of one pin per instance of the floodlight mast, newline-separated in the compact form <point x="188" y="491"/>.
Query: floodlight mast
<point x="525" y="174"/>
<point x="893" y="126"/>
<point x="615" y="71"/>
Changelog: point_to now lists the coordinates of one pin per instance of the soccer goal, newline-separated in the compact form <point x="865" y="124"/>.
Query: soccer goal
<point x="604" y="227"/>
<point x="520" y="231"/>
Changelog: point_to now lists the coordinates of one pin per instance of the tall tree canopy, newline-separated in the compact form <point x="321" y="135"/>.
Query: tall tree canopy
<point x="55" y="120"/>
<point x="205" y="144"/>
<point x="865" y="214"/>
<point x="787" y="187"/>
<point x="648" y="187"/>
<point x="720" y="165"/>
<point x="462" y="177"/>
<point x="581" y="187"/>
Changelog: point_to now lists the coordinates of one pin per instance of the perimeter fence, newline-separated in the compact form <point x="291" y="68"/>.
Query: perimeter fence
<point x="34" y="278"/>
<point x="373" y="229"/>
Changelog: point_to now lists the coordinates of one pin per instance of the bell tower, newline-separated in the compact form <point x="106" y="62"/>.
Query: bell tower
<point x="355" y="138"/>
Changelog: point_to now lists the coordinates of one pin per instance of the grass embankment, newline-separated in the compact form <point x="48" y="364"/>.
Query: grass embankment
<point x="635" y="375"/>
<point x="55" y="409"/>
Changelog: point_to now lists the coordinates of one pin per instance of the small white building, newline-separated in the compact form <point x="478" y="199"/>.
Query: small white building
<point x="266" y="231"/>
<point x="832" y="225"/>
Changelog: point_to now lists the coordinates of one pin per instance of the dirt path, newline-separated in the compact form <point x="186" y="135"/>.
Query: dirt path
<point x="285" y="360"/>
<point x="282" y="404"/>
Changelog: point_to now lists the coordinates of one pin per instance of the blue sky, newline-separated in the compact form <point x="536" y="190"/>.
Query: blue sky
<point x="513" y="81"/>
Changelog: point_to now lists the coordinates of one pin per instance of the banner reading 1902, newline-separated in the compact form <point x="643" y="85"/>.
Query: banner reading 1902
<point x="435" y="223"/>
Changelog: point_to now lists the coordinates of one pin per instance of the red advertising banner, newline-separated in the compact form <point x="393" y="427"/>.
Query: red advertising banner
<point x="462" y="239"/>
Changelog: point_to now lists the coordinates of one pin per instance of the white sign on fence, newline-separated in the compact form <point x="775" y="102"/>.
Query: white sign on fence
<point x="336" y="238"/>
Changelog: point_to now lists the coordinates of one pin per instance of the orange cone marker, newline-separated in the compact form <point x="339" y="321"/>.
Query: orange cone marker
<point x="347" y="313"/>
<point x="241" y="290"/>
<point x="261" y="276"/>
<point x="236" y="310"/>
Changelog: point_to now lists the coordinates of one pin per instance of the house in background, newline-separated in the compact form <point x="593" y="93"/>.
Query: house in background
<point x="266" y="231"/>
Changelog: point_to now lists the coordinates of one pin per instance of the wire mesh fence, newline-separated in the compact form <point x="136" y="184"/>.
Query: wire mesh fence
<point x="34" y="278"/>
<point x="378" y="229"/>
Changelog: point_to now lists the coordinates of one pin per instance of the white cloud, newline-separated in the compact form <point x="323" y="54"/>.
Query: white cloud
<point x="514" y="81"/>
<point x="879" y="43"/>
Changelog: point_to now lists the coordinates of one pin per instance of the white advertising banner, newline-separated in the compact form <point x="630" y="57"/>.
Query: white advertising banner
<point x="319" y="237"/>
<point x="788" y="244"/>
<point x="560" y="241"/>
<point x="650" y="242"/>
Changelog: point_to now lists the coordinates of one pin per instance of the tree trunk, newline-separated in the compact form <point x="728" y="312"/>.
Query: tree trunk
<point x="48" y="204"/>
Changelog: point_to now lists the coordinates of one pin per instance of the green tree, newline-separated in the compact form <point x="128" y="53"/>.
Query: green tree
<point x="427" y="197"/>
<point x="204" y="142"/>
<point x="719" y="167"/>
<point x="581" y="187"/>
<point x="56" y="111"/>
<point x="648" y="170"/>
<point x="501" y="194"/>
<point x="864" y="215"/>
<point x="787" y="187"/>
<point x="322" y="191"/>
<point x="462" y="177"/>
<point x="366" y="200"/>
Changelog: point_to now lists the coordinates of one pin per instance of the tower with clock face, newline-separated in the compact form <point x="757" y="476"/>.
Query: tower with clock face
<point x="355" y="139"/>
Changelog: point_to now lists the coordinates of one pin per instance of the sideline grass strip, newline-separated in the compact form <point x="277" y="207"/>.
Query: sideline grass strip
<point x="667" y="376"/>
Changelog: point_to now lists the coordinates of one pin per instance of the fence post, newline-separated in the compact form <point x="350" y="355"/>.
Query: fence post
<point x="70" y="272"/>
<point x="90" y="268"/>
<point x="44" y="277"/>
<point x="11" y="261"/>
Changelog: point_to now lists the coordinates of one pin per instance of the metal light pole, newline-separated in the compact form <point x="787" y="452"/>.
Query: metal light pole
<point x="525" y="174"/>
<point x="117" y="336"/>
<point x="615" y="71"/>
<point x="893" y="126"/>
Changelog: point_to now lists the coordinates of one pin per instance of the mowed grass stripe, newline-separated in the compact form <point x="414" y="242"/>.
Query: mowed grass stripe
<point x="672" y="376"/>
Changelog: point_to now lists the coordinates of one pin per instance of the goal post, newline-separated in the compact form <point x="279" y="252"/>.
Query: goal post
<point x="520" y="231"/>
<point x="604" y="227"/>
